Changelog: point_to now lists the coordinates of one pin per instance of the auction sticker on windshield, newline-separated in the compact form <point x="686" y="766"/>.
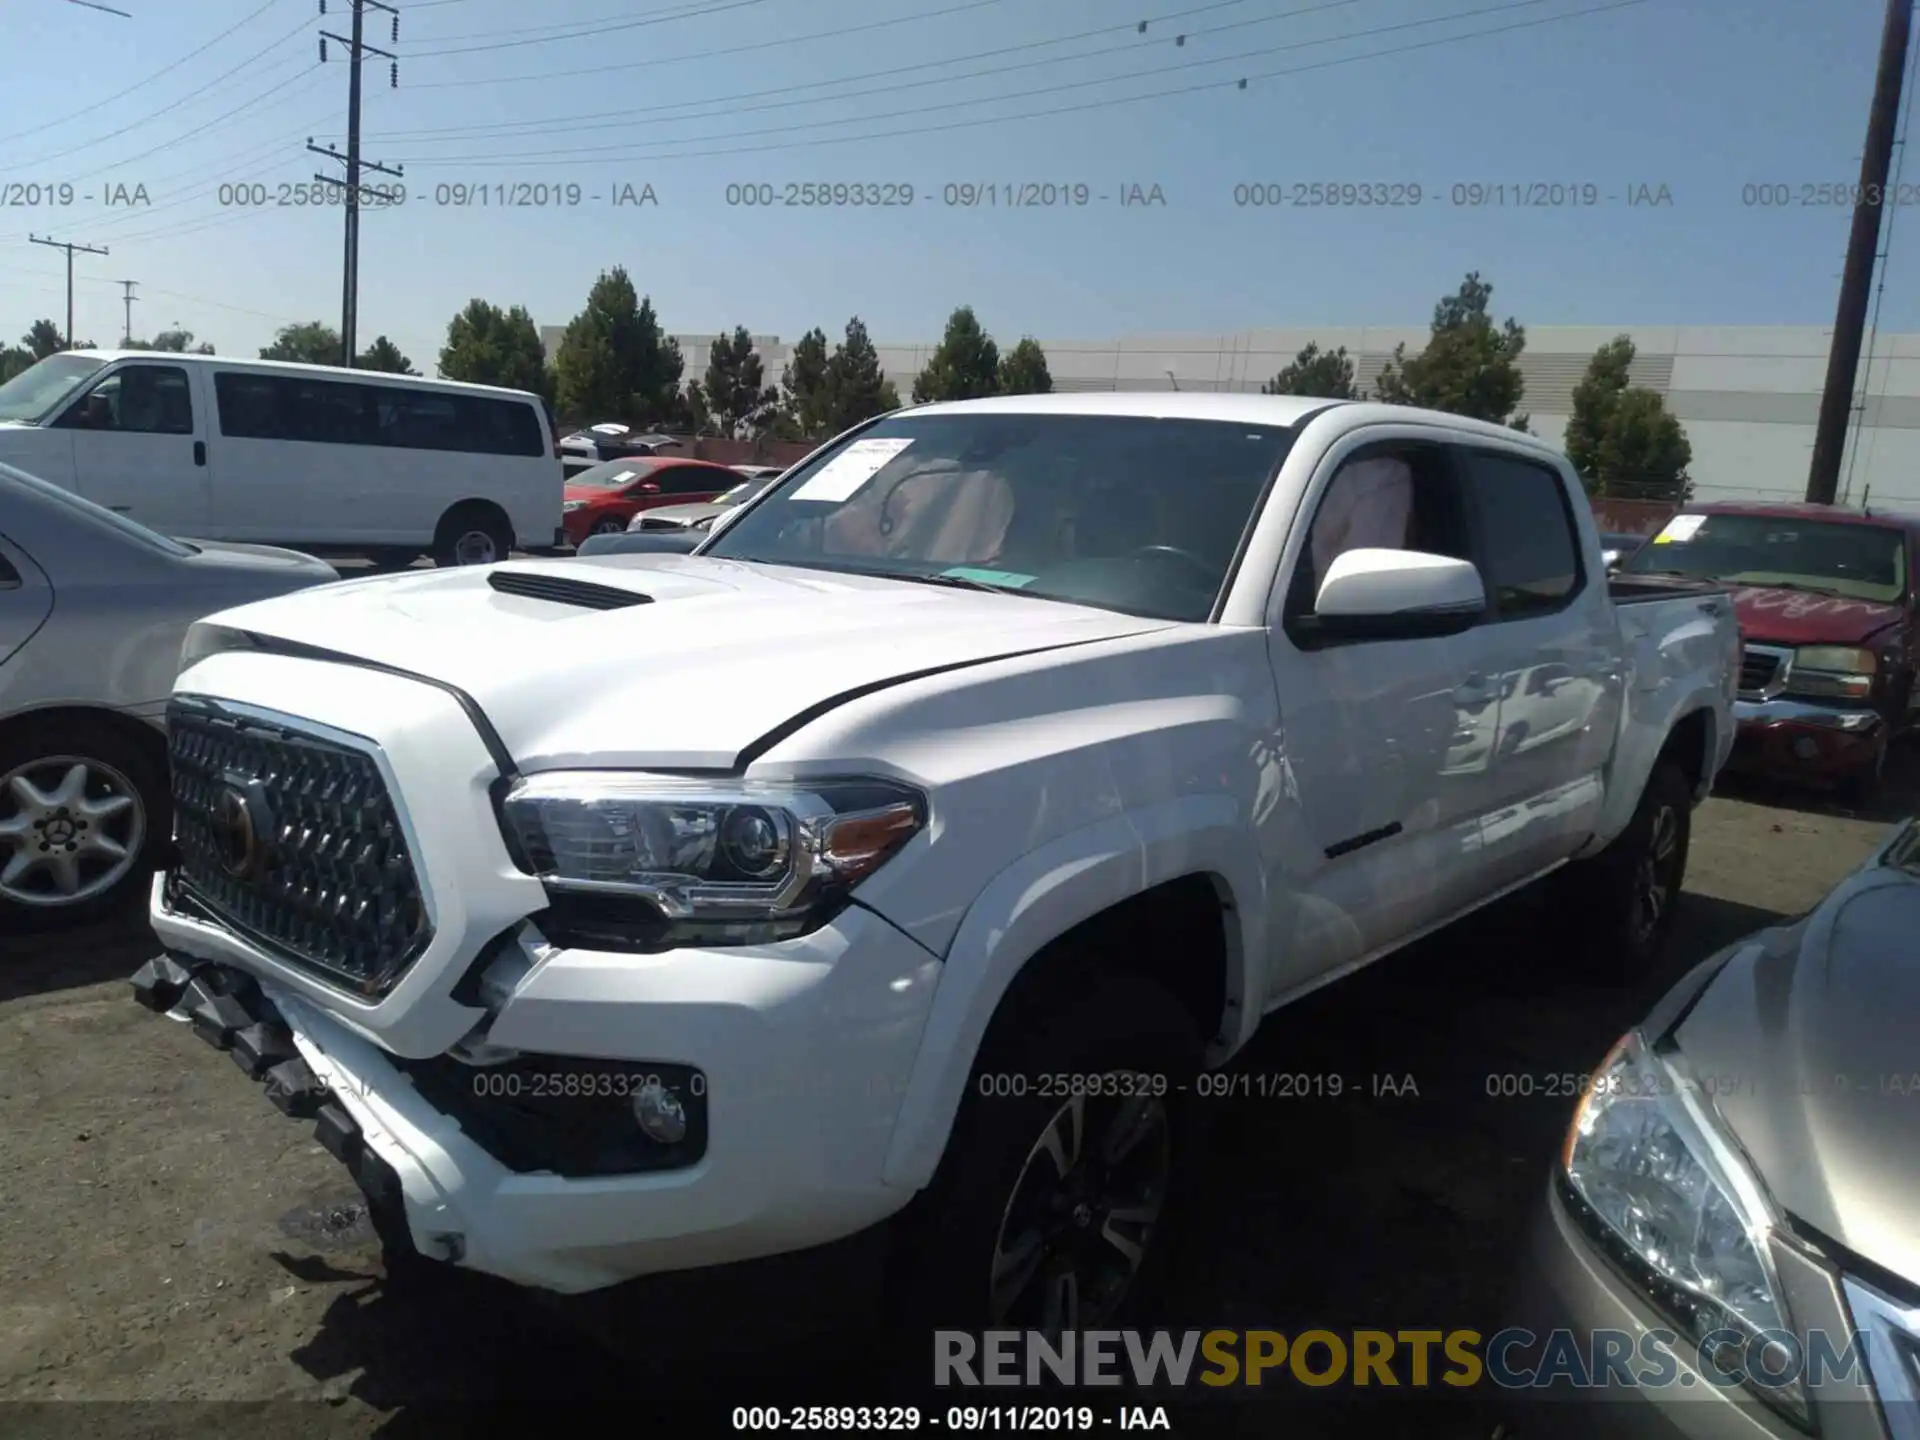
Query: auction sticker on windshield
<point x="1679" y="529"/>
<point x="841" y="477"/>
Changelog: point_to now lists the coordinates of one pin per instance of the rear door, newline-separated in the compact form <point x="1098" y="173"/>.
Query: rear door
<point x="1552" y="656"/>
<point x="140" y="446"/>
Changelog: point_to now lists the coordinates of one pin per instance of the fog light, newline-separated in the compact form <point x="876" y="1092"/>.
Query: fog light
<point x="660" y="1114"/>
<point x="1806" y="748"/>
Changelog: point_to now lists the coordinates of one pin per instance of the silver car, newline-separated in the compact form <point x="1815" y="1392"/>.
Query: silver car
<point x="1730" y="1242"/>
<point x="93" y="609"/>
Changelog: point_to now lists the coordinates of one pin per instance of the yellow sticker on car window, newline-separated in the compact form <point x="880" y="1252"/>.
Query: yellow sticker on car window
<point x="1679" y="529"/>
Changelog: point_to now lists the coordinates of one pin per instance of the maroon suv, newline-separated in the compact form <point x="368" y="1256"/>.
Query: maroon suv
<point x="1826" y="600"/>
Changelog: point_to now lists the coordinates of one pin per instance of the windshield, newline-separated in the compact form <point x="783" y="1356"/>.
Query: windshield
<point x="37" y="391"/>
<point x="611" y="474"/>
<point x="1127" y="513"/>
<point x="1859" y="562"/>
<point x="97" y="514"/>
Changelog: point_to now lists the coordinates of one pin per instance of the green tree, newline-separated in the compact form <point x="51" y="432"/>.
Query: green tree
<point x="314" y="343"/>
<point x="1325" y="373"/>
<point x="857" y="389"/>
<point x="1023" y="370"/>
<point x="173" y="342"/>
<point x="385" y="356"/>
<point x="965" y="364"/>
<point x="13" y="359"/>
<point x="614" y="362"/>
<point x="44" y="339"/>
<point x="1622" y="438"/>
<point x="490" y="346"/>
<point x="1470" y="367"/>
<point x="693" y="411"/>
<point x="804" y="401"/>
<point x="735" y="390"/>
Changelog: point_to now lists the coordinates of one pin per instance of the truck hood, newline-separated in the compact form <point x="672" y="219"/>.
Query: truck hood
<point x="709" y="656"/>
<point x="1793" y="617"/>
<point x="1808" y="1035"/>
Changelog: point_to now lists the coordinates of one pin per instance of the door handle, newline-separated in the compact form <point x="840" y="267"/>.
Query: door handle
<point x="199" y="452"/>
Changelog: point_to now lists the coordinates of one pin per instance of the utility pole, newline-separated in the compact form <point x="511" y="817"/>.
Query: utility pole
<point x="69" y="246"/>
<point x="126" y="338"/>
<point x="1863" y="245"/>
<point x="357" y="48"/>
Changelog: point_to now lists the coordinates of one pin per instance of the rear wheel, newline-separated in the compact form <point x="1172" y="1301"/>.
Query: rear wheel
<point x="609" y="527"/>
<point x="84" y="811"/>
<point x="1066" y="1151"/>
<point x="472" y="534"/>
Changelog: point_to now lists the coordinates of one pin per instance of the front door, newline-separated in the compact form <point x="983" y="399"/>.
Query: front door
<point x="1379" y="736"/>
<point x="139" y="447"/>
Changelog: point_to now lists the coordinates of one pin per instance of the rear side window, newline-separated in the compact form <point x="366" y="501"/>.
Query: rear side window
<point x="693" y="479"/>
<point x="256" y="406"/>
<point x="1529" y="550"/>
<point x="9" y="577"/>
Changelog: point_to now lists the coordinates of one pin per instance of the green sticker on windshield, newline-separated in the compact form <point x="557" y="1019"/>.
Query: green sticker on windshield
<point x="990" y="577"/>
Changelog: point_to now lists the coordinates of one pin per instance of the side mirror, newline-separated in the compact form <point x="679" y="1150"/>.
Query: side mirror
<point x="646" y="487"/>
<point x="1394" y="595"/>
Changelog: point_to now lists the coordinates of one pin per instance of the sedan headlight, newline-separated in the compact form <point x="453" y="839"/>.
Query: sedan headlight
<point x="567" y="507"/>
<point x="1659" y="1187"/>
<point x="639" y="861"/>
<point x="1833" y="671"/>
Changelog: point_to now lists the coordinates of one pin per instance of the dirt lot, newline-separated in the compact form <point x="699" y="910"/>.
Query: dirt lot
<point x="168" y="1236"/>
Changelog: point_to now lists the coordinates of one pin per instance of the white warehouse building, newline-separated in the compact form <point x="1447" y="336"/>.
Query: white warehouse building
<point x="1749" y="396"/>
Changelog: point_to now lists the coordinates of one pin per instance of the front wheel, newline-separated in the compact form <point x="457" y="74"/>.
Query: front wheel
<point x="472" y="534"/>
<point x="1065" y="1154"/>
<point x="1624" y="899"/>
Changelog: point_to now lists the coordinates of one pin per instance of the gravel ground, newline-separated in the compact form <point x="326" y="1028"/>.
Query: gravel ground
<point x="168" y="1236"/>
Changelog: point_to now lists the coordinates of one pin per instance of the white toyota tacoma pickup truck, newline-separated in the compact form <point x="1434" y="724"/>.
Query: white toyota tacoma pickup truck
<point x="896" y="861"/>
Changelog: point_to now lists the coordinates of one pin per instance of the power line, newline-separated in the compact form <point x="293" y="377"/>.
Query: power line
<point x="599" y="23"/>
<point x="578" y="122"/>
<point x="357" y="51"/>
<point x="141" y="84"/>
<point x="70" y="247"/>
<point x="643" y="63"/>
<point x="95" y="5"/>
<point x="598" y="28"/>
<point x="596" y="154"/>
<point x="148" y="119"/>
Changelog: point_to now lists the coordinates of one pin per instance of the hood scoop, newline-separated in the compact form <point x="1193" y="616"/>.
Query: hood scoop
<point x="559" y="590"/>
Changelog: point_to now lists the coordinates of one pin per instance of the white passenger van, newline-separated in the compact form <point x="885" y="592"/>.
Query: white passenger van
<point x="328" y="460"/>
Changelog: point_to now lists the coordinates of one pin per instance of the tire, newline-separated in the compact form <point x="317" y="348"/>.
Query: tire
<point x="1862" y="788"/>
<point x="609" y="527"/>
<point x="996" y="1176"/>
<point x="472" y="533"/>
<point x="80" y="781"/>
<point x="1623" y="900"/>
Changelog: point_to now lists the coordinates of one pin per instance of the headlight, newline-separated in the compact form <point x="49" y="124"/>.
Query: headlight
<point x="204" y="640"/>
<point x="1836" y="671"/>
<point x="1658" y="1186"/>
<point x="567" y="507"/>
<point x="638" y="861"/>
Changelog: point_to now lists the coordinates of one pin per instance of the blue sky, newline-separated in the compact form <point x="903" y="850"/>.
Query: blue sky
<point x="1703" y="97"/>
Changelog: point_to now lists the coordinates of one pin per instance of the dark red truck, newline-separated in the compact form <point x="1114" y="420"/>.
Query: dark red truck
<point x="1827" y="606"/>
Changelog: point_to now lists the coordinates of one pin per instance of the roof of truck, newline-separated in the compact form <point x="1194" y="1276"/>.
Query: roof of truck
<point x="1801" y="510"/>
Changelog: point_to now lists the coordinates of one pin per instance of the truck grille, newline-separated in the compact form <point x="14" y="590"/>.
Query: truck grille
<point x="292" y="840"/>
<point x="1763" y="669"/>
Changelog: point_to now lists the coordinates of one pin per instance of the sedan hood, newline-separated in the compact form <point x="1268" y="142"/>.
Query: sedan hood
<point x="1806" y="1039"/>
<point x="662" y="660"/>
<point x="229" y="555"/>
<point x="1793" y="617"/>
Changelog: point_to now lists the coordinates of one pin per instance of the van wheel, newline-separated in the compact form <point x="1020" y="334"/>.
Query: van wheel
<point x="84" y="812"/>
<point x="1625" y="898"/>
<point x="474" y="533"/>
<point x="1046" y="1203"/>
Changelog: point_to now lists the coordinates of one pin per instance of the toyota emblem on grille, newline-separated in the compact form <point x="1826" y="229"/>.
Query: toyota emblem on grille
<point x="240" y="829"/>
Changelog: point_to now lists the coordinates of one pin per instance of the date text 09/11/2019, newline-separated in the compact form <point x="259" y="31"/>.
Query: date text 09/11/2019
<point x="957" y="1419"/>
<point x="954" y="195"/>
<point x="1461" y="195"/>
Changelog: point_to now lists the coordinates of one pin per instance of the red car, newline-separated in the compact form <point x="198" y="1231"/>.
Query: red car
<point x="1828" y="612"/>
<point x="601" y="501"/>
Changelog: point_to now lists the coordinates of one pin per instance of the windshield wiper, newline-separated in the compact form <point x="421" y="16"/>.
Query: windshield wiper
<point x="952" y="582"/>
<point x="1793" y="585"/>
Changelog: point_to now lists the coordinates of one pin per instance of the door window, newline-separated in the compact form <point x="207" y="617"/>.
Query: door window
<point x="136" y="400"/>
<point x="1390" y="496"/>
<point x="691" y="479"/>
<point x="1529" y="548"/>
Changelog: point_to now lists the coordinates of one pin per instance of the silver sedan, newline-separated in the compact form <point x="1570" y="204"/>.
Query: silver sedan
<point x="93" y="609"/>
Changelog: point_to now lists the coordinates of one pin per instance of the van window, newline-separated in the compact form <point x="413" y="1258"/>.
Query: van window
<point x="136" y="400"/>
<point x="1528" y="544"/>
<point x="256" y="406"/>
<point x="36" y="392"/>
